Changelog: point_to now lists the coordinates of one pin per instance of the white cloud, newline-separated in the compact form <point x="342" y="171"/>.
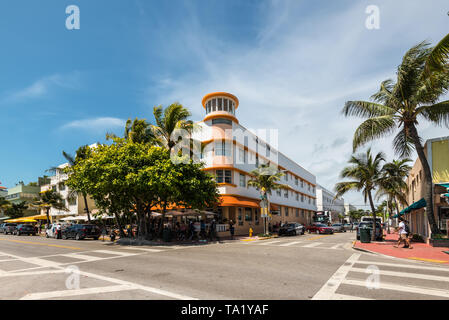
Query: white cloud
<point x="95" y="124"/>
<point x="300" y="72"/>
<point x="44" y="86"/>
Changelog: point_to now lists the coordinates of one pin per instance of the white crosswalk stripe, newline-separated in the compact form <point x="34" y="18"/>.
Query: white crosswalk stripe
<point x="290" y="243"/>
<point x="412" y="278"/>
<point x="311" y="245"/>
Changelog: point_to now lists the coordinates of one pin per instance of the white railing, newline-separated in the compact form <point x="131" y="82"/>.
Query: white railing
<point x="222" y="227"/>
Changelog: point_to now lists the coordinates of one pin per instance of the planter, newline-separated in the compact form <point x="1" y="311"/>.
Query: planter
<point x="439" y="242"/>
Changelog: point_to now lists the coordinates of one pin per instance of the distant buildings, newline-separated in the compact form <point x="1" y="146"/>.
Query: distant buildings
<point x="74" y="202"/>
<point x="348" y="208"/>
<point x="328" y="208"/>
<point x="26" y="193"/>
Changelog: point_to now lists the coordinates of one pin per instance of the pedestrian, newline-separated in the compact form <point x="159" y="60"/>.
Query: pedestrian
<point x="58" y="231"/>
<point x="231" y="229"/>
<point x="403" y="234"/>
<point x="203" y="230"/>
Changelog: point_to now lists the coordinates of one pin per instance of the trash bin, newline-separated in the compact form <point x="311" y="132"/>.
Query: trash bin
<point x="365" y="235"/>
<point x="166" y="235"/>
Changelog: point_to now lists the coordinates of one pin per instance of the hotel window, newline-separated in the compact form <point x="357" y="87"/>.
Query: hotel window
<point x="241" y="156"/>
<point x="297" y="197"/>
<point x="278" y="192"/>
<point x="268" y="149"/>
<point x="256" y="216"/>
<point x="286" y="176"/>
<point x="225" y="105"/>
<point x="61" y="186"/>
<point x="220" y="104"/>
<point x="222" y="148"/>
<point x="231" y="109"/>
<point x="302" y="198"/>
<point x="308" y="187"/>
<point x="242" y="180"/>
<point x="310" y="199"/>
<point x="302" y="183"/>
<point x="302" y="213"/>
<point x="221" y="121"/>
<point x="224" y="176"/>
<point x="313" y="189"/>
<point x="214" y="105"/>
<point x="257" y="160"/>
<point x="297" y="212"/>
<point x="240" y="217"/>
<point x="248" y="214"/>
<point x="296" y="181"/>
<point x="286" y="211"/>
<point x="286" y="194"/>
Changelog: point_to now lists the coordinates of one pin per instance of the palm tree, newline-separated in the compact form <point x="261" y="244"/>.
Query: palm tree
<point x="392" y="182"/>
<point x="439" y="57"/>
<point x="4" y="204"/>
<point x="47" y="200"/>
<point x="364" y="172"/>
<point x="402" y="104"/>
<point x="174" y="117"/>
<point x="265" y="179"/>
<point x="137" y="131"/>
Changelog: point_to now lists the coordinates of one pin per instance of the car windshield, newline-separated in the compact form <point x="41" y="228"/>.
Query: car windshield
<point x="321" y="225"/>
<point x="336" y="225"/>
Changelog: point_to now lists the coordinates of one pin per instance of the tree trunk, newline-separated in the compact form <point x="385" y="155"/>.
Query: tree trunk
<point x="86" y="207"/>
<point x="373" y="209"/>
<point x="427" y="180"/>
<point x="48" y="216"/>
<point x="117" y="220"/>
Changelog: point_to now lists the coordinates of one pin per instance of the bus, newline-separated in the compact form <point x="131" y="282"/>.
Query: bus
<point x="370" y="219"/>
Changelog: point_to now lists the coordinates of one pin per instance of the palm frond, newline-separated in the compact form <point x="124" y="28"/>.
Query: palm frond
<point x="373" y="128"/>
<point x="439" y="56"/>
<point x="437" y="113"/>
<point x="365" y="109"/>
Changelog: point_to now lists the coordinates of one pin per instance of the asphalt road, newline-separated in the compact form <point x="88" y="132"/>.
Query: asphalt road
<point x="300" y="267"/>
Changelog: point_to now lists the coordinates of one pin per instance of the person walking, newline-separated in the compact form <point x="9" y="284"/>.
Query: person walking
<point x="403" y="234"/>
<point x="58" y="231"/>
<point x="231" y="229"/>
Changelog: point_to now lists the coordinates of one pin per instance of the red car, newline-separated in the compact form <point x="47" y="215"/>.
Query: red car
<point x="320" y="228"/>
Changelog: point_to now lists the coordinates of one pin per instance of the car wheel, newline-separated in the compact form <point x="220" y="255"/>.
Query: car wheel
<point x="77" y="236"/>
<point x="318" y="232"/>
<point x="18" y="233"/>
<point x="64" y="237"/>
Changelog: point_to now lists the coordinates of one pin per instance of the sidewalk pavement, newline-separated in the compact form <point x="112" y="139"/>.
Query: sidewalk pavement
<point x="420" y="251"/>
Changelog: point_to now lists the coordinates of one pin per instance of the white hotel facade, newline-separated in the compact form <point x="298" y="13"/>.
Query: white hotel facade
<point x="231" y="152"/>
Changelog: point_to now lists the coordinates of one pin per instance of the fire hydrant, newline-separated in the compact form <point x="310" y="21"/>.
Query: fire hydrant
<point x="250" y="232"/>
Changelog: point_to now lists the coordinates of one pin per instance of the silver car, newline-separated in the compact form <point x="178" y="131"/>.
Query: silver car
<point x="338" y="227"/>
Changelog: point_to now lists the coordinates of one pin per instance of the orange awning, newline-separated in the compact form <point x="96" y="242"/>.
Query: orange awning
<point x="274" y="207"/>
<point x="234" y="201"/>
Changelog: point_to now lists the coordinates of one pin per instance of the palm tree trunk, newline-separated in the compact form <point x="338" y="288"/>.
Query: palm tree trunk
<point x="47" y="211"/>
<point x="86" y="207"/>
<point x="428" y="196"/>
<point x="373" y="209"/>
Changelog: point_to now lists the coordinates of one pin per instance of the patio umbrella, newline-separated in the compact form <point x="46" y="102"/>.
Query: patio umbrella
<point x="28" y="220"/>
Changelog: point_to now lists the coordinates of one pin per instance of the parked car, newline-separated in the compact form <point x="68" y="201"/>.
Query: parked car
<point x="291" y="228"/>
<point x="2" y="228"/>
<point x="9" y="228"/>
<point x="50" y="232"/>
<point x="25" y="229"/>
<point x="338" y="227"/>
<point x="81" y="231"/>
<point x="319" y="228"/>
<point x="369" y="225"/>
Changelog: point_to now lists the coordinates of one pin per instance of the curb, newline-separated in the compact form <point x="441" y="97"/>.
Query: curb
<point x="398" y="258"/>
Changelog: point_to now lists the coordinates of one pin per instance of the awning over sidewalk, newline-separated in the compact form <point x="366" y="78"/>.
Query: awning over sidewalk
<point x="446" y="185"/>
<point x="234" y="201"/>
<point x="414" y="206"/>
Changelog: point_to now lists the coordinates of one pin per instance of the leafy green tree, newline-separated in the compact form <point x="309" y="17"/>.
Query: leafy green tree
<point x="402" y="104"/>
<point x="16" y="210"/>
<point x="439" y="56"/>
<point x="266" y="179"/>
<point x="364" y="172"/>
<point x="4" y="204"/>
<point x="130" y="177"/>
<point x="137" y="131"/>
<point x="356" y="215"/>
<point x="49" y="199"/>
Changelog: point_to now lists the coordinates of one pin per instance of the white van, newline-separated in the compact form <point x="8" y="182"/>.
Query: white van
<point x="370" y="219"/>
<point x="50" y="232"/>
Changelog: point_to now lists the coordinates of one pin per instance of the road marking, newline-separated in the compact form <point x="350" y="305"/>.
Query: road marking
<point x="290" y="243"/>
<point x="402" y="288"/>
<point x="336" y="246"/>
<point x="32" y="273"/>
<point x="428" y="260"/>
<point x="144" y="249"/>
<point x="328" y="290"/>
<point x="40" y="262"/>
<point x="319" y="237"/>
<point x="76" y="292"/>
<point x="120" y="253"/>
<point x="266" y="243"/>
<point x="415" y="266"/>
<point x="311" y="245"/>
<point x="405" y="275"/>
<point x="338" y="296"/>
<point x="81" y="256"/>
<point x="42" y="244"/>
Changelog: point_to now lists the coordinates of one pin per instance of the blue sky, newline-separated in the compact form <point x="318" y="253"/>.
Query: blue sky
<point x="292" y="64"/>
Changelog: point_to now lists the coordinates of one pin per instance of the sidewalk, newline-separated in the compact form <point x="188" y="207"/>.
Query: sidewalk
<point x="420" y="251"/>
